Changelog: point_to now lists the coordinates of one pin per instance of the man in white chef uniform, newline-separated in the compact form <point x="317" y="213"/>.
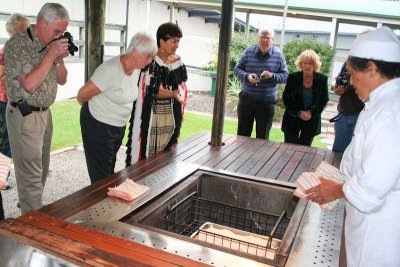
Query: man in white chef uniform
<point x="371" y="164"/>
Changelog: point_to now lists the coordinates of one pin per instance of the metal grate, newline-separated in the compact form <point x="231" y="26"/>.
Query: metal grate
<point x="187" y="216"/>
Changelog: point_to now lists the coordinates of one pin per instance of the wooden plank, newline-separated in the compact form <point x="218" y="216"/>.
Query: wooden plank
<point x="246" y="155"/>
<point x="81" y="254"/>
<point x="338" y="159"/>
<point x="270" y="163"/>
<point x="291" y="166"/>
<point x="302" y="167"/>
<point x="198" y="149"/>
<point x="238" y="153"/>
<point x="329" y="156"/>
<point x="216" y="150"/>
<point x="226" y="140"/>
<point x="257" y="155"/>
<point x="220" y="155"/>
<point x="276" y="169"/>
<point x="108" y="245"/>
<point x="315" y="162"/>
<point x="265" y="155"/>
<point x="311" y="150"/>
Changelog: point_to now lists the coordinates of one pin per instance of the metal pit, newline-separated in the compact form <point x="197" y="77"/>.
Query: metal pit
<point x="184" y="201"/>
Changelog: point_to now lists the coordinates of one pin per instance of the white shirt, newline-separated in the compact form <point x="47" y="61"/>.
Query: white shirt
<point x="114" y="104"/>
<point x="371" y="168"/>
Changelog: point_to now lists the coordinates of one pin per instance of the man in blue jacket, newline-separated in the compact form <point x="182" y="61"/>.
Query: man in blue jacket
<point x="260" y="68"/>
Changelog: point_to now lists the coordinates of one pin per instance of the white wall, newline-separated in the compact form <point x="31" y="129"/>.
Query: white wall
<point x="197" y="47"/>
<point x="198" y="37"/>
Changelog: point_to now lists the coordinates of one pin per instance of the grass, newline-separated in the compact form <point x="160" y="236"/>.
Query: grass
<point x="67" y="131"/>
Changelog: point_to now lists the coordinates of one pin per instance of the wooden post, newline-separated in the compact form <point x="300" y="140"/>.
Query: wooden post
<point x="96" y="30"/>
<point x="225" y="37"/>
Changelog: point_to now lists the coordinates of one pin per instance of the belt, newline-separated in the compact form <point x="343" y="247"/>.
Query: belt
<point x="15" y="104"/>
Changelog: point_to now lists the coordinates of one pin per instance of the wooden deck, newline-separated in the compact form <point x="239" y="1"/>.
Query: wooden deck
<point x="46" y="229"/>
<point x="239" y="154"/>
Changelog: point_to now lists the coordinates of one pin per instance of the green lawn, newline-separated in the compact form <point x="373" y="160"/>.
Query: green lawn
<point x="67" y="132"/>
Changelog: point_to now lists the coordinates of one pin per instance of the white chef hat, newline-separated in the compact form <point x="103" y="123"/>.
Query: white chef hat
<point x="380" y="44"/>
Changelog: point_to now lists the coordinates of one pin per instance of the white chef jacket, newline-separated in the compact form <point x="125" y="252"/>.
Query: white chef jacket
<point x="371" y="169"/>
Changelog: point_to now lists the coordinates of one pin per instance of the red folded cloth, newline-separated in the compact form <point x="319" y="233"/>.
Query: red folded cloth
<point x="128" y="190"/>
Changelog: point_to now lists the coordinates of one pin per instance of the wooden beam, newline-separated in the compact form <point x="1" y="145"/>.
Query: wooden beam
<point x="96" y="31"/>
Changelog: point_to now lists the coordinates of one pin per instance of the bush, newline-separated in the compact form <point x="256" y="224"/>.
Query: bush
<point x="294" y="48"/>
<point x="239" y="43"/>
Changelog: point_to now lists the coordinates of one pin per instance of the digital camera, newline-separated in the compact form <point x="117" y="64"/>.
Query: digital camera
<point x="72" y="48"/>
<point x="343" y="80"/>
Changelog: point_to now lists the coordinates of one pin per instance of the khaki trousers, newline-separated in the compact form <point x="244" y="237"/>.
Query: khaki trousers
<point x="30" y="140"/>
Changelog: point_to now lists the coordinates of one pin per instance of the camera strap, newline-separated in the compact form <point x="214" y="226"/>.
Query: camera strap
<point x="29" y="34"/>
<point x="30" y="37"/>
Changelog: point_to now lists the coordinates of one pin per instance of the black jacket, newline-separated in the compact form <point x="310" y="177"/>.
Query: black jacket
<point x="293" y="101"/>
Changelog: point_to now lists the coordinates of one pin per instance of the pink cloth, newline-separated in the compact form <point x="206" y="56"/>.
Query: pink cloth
<point x="128" y="190"/>
<point x="3" y="93"/>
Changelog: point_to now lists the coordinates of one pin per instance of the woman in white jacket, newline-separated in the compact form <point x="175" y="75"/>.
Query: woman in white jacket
<point x="370" y="166"/>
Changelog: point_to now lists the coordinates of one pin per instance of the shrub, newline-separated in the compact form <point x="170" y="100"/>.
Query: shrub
<point x="293" y="49"/>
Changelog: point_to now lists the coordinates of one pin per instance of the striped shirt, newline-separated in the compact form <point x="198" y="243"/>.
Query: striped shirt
<point x="253" y="61"/>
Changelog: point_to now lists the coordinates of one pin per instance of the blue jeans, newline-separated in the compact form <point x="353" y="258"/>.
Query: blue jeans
<point x="344" y="129"/>
<point x="6" y="150"/>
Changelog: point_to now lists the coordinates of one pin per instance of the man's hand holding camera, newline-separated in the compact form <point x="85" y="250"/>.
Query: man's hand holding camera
<point x="254" y="79"/>
<point x="339" y="90"/>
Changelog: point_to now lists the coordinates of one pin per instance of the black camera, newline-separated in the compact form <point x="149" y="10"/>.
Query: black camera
<point x="72" y="48"/>
<point x="343" y="80"/>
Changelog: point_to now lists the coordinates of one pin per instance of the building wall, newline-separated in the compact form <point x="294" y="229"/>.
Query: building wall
<point x="198" y="45"/>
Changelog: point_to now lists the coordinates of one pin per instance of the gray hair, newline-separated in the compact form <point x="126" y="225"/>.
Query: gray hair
<point x="16" y="23"/>
<point x="52" y="11"/>
<point x="265" y="30"/>
<point x="143" y="44"/>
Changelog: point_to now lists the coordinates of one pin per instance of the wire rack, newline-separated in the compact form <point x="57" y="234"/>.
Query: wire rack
<point x="189" y="214"/>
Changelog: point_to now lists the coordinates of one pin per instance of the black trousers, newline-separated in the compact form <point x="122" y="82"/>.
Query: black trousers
<point x="101" y="143"/>
<point x="299" y="139"/>
<point x="250" y="110"/>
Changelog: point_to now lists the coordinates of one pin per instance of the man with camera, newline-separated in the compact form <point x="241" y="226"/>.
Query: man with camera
<point x="349" y="107"/>
<point x="260" y="68"/>
<point x="34" y="66"/>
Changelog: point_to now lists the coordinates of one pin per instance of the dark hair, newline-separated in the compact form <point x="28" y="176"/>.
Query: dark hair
<point x="387" y="69"/>
<point x="167" y="31"/>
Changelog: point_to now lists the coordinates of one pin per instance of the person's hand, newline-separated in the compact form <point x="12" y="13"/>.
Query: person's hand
<point x="339" y="90"/>
<point x="266" y="75"/>
<point x="58" y="49"/>
<point x="325" y="192"/>
<point x="253" y="78"/>
<point x="2" y="182"/>
<point x="172" y="59"/>
<point x="178" y="97"/>
<point x="305" y="115"/>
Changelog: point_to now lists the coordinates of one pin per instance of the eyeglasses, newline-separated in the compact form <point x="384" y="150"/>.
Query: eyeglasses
<point x="264" y="37"/>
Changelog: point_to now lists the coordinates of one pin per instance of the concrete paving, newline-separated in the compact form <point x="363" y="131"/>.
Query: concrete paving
<point x="67" y="175"/>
